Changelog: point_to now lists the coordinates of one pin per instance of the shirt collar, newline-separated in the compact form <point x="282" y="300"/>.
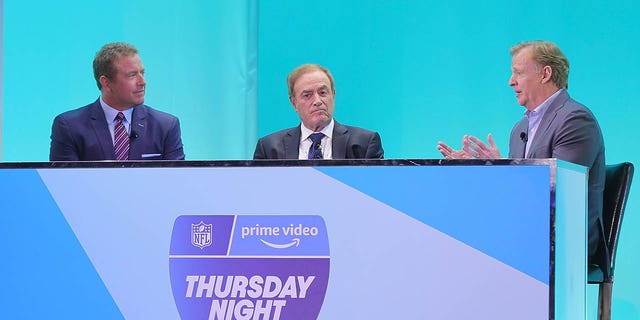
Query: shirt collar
<point x="540" y="110"/>
<point x="110" y="113"/>
<point x="306" y="132"/>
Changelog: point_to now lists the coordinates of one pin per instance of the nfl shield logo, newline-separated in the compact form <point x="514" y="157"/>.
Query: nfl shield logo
<point x="201" y="234"/>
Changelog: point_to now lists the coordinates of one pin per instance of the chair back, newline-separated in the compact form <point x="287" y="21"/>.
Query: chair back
<point x="616" y="192"/>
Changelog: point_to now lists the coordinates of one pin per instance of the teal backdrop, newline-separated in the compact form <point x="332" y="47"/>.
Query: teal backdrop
<point x="418" y="72"/>
<point x="200" y="59"/>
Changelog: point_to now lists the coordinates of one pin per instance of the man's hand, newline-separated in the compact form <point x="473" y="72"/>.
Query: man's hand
<point x="450" y="153"/>
<point x="478" y="149"/>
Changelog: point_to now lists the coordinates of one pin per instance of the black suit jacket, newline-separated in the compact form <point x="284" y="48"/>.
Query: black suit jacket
<point x="569" y="131"/>
<point x="83" y="135"/>
<point x="348" y="143"/>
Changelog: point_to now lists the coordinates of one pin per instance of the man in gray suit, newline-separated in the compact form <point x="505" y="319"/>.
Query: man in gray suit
<point x="319" y="136"/>
<point x="554" y="126"/>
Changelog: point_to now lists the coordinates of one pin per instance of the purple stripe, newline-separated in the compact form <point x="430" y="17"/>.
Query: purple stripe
<point x="121" y="147"/>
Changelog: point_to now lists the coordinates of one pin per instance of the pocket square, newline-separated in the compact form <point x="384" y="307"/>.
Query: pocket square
<point x="151" y="155"/>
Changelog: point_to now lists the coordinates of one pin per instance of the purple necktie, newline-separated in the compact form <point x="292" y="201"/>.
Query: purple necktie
<point x="121" y="143"/>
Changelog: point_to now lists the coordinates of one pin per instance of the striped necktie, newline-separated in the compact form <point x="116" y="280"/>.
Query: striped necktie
<point x="121" y="139"/>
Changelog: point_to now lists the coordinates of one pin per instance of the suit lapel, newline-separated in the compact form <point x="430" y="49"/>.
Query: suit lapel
<point x="547" y="120"/>
<point x="520" y="144"/>
<point x="138" y="130"/>
<point x="340" y="138"/>
<point x="100" y="128"/>
<point x="291" y="142"/>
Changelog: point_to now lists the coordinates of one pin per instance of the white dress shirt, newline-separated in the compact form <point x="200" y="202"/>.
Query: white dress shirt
<point x="325" y="144"/>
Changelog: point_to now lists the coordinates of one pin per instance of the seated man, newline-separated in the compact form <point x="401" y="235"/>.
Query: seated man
<point x="319" y="136"/>
<point x="554" y="126"/>
<point x="117" y="126"/>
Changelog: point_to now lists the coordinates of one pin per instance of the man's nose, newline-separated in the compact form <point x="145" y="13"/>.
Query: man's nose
<point x="316" y="100"/>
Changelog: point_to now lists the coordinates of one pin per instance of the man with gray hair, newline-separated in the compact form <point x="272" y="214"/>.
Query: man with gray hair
<point x="319" y="136"/>
<point x="554" y="126"/>
<point x="117" y="126"/>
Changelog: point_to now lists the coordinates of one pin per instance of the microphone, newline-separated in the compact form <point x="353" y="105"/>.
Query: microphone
<point x="523" y="137"/>
<point x="133" y="135"/>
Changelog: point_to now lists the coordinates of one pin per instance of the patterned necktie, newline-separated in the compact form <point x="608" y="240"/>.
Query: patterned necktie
<point x="121" y="139"/>
<point x="315" y="152"/>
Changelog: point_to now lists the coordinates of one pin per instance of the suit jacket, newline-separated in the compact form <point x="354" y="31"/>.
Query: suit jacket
<point x="83" y="135"/>
<point x="347" y="143"/>
<point x="569" y="131"/>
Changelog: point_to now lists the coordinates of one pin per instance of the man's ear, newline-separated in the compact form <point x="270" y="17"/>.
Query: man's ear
<point x="104" y="82"/>
<point x="546" y="74"/>
<point x="293" y="103"/>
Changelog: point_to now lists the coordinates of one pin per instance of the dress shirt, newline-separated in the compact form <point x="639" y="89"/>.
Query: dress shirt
<point x="325" y="144"/>
<point x="110" y="114"/>
<point x="535" y="116"/>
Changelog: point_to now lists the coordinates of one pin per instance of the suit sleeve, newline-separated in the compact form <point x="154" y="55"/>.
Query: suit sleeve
<point x="374" y="149"/>
<point x="173" y="149"/>
<point x="62" y="147"/>
<point x="577" y="140"/>
<point x="259" y="153"/>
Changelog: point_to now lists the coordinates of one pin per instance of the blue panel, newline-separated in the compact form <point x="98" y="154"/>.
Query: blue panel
<point x="373" y="245"/>
<point x="571" y="241"/>
<point x="45" y="272"/>
<point x="476" y="205"/>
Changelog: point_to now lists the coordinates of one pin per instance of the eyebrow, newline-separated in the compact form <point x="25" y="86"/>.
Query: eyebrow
<point x="134" y="71"/>
<point x="324" y="86"/>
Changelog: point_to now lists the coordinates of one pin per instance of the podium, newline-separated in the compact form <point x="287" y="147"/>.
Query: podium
<point x="394" y="239"/>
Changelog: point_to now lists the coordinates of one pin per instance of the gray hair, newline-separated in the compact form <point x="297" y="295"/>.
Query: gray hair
<point x="303" y="69"/>
<point x="547" y="53"/>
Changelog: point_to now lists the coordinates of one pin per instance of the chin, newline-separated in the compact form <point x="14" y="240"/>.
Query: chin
<point x="322" y="121"/>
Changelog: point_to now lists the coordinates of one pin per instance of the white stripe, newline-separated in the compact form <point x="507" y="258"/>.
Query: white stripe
<point x="121" y="147"/>
<point x="233" y="228"/>
<point x="195" y="256"/>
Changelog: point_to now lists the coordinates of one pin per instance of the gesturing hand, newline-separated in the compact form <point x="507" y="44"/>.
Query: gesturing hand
<point x="450" y="153"/>
<point x="478" y="149"/>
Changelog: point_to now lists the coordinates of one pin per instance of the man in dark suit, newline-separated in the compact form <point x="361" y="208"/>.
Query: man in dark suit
<point x="319" y="136"/>
<point x="117" y="126"/>
<point x="554" y="126"/>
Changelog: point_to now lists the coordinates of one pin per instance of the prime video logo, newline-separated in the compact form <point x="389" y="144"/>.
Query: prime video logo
<point x="291" y="230"/>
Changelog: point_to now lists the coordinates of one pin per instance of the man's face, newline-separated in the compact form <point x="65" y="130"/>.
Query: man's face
<point x="527" y="79"/>
<point x="313" y="99"/>
<point x="127" y="87"/>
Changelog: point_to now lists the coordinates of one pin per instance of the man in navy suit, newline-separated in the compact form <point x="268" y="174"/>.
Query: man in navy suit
<point x="319" y="136"/>
<point x="554" y="126"/>
<point x="89" y="133"/>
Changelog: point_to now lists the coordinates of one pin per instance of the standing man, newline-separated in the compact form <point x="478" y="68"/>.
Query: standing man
<point x="554" y="126"/>
<point x="117" y="126"/>
<point x="319" y="136"/>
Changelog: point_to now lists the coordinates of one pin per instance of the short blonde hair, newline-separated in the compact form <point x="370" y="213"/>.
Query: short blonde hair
<point x="103" y="63"/>
<point x="547" y="53"/>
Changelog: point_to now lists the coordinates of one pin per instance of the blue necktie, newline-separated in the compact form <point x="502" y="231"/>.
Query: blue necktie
<point x="315" y="152"/>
